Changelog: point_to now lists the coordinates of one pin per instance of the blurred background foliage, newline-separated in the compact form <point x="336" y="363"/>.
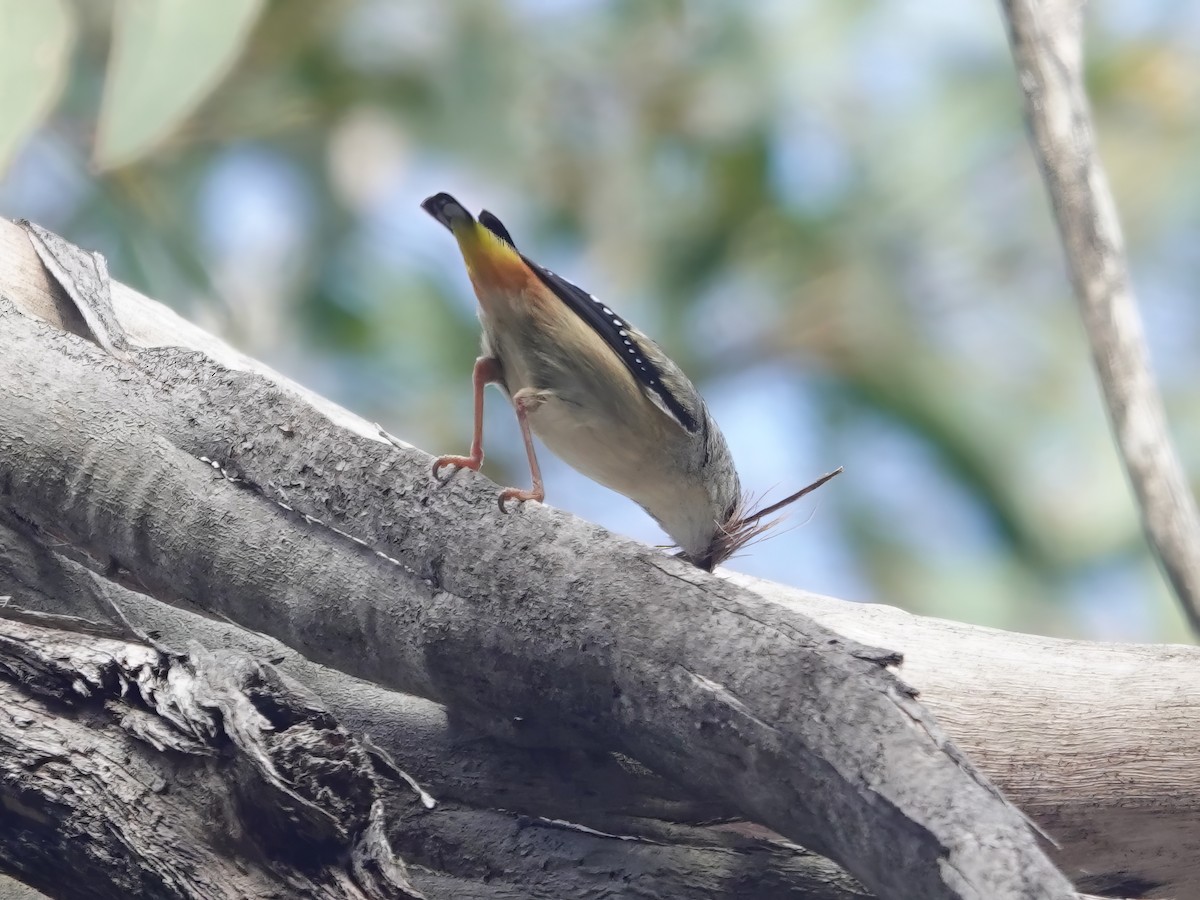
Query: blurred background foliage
<point x="825" y="211"/>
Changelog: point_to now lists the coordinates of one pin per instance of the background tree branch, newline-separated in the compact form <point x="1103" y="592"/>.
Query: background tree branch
<point x="1046" y="37"/>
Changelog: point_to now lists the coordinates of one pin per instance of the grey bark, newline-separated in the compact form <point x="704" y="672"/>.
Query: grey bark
<point x="206" y="486"/>
<point x="1046" y="37"/>
<point x="1096" y="742"/>
<point x="146" y="773"/>
<point x="502" y="824"/>
<point x="130" y="772"/>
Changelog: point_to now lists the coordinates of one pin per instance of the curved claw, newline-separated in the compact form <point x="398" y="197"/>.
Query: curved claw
<point x="459" y="462"/>
<point x="520" y="496"/>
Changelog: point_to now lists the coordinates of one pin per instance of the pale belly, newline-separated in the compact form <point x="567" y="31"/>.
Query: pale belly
<point x="602" y="424"/>
<point x="602" y="447"/>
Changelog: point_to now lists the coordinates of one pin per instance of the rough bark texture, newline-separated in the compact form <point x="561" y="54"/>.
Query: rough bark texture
<point x="218" y="777"/>
<point x="217" y="488"/>
<point x="1097" y="743"/>
<point x="213" y="776"/>
<point x="1047" y="45"/>
<point x="508" y="821"/>
<point x="102" y="461"/>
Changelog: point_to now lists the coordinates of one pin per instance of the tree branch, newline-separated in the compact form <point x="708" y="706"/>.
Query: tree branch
<point x="505" y="817"/>
<point x="218" y="486"/>
<point x="1096" y="742"/>
<point x="210" y="775"/>
<point x="1046" y="37"/>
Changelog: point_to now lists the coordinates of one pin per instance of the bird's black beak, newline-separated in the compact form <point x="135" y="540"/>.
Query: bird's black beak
<point x="446" y="210"/>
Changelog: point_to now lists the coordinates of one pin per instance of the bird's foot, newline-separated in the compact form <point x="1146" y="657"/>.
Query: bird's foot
<point x="459" y="462"/>
<point x="519" y="496"/>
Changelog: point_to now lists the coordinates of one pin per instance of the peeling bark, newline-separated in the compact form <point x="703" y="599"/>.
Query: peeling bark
<point x="156" y="774"/>
<point x="147" y="774"/>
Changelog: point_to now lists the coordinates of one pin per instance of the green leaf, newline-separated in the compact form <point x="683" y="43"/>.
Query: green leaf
<point x="166" y="58"/>
<point x="35" y="48"/>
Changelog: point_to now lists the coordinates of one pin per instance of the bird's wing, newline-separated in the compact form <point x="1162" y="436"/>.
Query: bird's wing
<point x="650" y="367"/>
<point x="662" y="381"/>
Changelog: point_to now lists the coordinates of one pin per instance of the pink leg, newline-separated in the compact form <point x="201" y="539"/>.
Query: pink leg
<point x="537" y="492"/>
<point x="487" y="371"/>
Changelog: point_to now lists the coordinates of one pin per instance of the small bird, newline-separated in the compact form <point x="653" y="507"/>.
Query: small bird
<point x="600" y="394"/>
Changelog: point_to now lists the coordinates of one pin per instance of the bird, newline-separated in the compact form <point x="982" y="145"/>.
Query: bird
<point x="600" y="394"/>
